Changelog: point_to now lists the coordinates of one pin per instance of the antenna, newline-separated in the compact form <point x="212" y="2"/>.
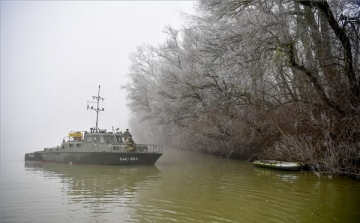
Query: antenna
<point x="97" y="109"/>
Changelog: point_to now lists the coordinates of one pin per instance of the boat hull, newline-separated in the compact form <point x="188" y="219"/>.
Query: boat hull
<point x="279" y="165"/>
<point x="33" y="156"/>
<point x="102" y="158"/>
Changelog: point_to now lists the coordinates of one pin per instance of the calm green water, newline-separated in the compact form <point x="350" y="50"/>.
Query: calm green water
<point x="181" y="187"/>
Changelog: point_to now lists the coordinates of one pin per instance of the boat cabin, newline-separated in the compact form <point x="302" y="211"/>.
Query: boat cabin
<point x="102" y="137"/>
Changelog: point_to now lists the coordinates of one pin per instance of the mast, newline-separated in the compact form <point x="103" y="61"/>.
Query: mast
<point x="97" y="109"/>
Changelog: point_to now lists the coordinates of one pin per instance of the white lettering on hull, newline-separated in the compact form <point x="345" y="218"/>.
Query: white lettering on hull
<point x="128" y="159"/>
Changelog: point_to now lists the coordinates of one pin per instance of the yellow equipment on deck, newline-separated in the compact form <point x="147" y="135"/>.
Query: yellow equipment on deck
<point x="77" y="136"/>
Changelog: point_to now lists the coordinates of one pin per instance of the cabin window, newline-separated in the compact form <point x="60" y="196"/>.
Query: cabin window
<point x="96" y="139"/>
<point x="102" y="140"/>
<point x="88" y="139"/>
<point x="78" y="145"/>
<point x="71" y="145"/>
<point x="119" y="139"/>
<point x="110" y="139"/>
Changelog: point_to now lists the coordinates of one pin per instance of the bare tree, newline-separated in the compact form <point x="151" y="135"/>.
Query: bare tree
<point x="245" y="76"/>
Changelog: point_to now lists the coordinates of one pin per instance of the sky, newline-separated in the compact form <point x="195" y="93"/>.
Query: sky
<point x="54" y="56"/>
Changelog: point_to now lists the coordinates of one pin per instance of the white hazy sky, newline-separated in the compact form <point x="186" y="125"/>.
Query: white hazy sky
<point x="55" y="54"/>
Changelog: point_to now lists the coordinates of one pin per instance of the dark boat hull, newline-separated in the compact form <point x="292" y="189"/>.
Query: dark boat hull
<point x="33" y="156"/>
<point x="279" y="165"/>
<point x="102" y="158"/>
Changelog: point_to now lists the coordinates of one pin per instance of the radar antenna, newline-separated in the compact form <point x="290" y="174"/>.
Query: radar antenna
<point x="97" y="109"/>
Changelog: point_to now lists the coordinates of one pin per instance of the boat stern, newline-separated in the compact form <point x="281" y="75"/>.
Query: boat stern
<point x="33" y="157"/>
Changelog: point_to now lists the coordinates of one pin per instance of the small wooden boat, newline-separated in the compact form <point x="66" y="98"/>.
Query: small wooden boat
<point x="279" y="165"/>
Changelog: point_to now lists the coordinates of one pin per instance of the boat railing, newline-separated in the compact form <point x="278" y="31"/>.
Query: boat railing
<point x="152" y="148"/>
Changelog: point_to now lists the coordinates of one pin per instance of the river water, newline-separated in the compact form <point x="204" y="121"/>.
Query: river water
<point x="181" y="187"/>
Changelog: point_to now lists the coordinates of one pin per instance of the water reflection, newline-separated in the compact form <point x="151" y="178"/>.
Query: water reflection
<point x="95" y="187"/>
<point x="285" y="176"/>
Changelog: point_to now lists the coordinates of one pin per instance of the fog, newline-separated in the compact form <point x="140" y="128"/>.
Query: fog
<point x="55" y="54"/>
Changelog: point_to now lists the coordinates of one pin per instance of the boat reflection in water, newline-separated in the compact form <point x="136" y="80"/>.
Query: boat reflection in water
<point x="286" y="176"/>
<point x="98" y="187"/>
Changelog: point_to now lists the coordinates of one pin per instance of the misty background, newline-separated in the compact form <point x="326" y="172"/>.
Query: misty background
<point x="55" y="54"/>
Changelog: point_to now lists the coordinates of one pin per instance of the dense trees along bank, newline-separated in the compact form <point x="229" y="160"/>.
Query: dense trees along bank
<point x="257" y="79"/>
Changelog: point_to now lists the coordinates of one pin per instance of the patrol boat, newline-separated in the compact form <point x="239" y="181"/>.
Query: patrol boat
<point x="99" y="146"/>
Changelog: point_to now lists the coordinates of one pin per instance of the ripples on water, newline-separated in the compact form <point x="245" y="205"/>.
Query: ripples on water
<point x="182" y="187"/>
